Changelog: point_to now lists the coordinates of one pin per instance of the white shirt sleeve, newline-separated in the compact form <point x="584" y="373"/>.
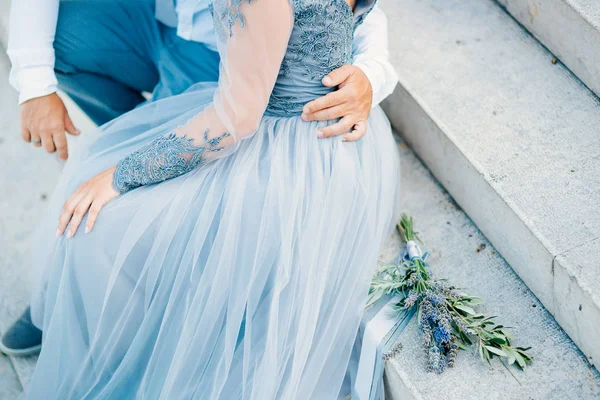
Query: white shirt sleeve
<point x="370" y="51"/>
<point x="30" y="47"/>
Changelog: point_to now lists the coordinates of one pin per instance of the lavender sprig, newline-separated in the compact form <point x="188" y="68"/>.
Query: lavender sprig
<point x="445" y="316"/>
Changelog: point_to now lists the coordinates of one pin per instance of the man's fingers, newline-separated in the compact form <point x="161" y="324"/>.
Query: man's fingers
<point x="330" y="100"/>
<point x="359" y="130"/>
<point x="25" y="134"/>
<point x="60" y="141"/>
<point x="69" y="127"/>
<point x="48" y="142"/>
<point x="343" y="126"/>
<point x="328" y="114"/>
<point x="337" y="76"/>
<point x="35" y="139"/>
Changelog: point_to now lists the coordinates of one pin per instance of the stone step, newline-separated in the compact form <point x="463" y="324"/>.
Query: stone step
<point x="569" y="28"/>
<point x="461" y="253"/>
<point x="4" y="16"/>
<point x="513" y="138"/>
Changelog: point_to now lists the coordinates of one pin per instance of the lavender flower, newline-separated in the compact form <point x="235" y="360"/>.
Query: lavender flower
<point x="447" y="319"/>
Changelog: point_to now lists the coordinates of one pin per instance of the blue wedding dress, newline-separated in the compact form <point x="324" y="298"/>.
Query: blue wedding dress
<point x="236" y="262"/>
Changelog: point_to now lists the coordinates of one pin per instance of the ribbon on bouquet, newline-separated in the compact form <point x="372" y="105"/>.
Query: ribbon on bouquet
<point x="378" y="337"/>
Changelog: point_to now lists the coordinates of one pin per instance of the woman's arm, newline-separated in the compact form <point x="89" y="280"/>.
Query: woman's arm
<point x="252" y="37"/>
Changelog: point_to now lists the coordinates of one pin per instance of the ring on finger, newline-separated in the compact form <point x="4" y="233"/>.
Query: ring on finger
<point x="36" y="143"/>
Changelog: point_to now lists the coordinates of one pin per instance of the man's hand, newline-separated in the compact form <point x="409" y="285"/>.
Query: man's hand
<point x="351" y="102"/>
<point x="43" y="123"/>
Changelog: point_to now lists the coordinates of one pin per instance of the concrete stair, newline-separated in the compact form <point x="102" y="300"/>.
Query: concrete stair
<point x="460" y="252"/>
<point x="570" y="29"/>
<point x="513" y="138"/>
<point x="4" y="17"/>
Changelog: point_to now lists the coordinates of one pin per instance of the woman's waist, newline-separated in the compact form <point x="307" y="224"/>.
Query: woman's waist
<point x="288" y="100"/>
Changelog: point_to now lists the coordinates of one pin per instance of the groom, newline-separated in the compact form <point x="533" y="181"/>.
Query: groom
<point x="105" y="53"/>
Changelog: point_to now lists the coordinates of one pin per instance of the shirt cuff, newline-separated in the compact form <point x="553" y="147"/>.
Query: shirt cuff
<point x="32" y="82"/>
<point x="371" y="72"/>
<point x="382" y="77"/>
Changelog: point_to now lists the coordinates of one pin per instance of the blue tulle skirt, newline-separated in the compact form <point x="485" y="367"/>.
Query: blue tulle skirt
<point x="244" y="279"/>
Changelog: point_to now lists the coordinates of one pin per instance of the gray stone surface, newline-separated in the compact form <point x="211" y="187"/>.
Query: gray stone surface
<point x="4" y="15"/>
<point x="512" y="137"/>
<point x="560" y="371"/>
<point x="569" y="28"/>
<point x="10" y="388"/>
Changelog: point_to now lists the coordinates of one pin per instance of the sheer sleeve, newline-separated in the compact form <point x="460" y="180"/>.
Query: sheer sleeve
<point x="252" y="37"/>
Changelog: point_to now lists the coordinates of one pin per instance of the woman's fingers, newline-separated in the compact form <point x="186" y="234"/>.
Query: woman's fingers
<point x="80" y="211"/>
<point x="93" y="215"/>
<point x="67" y="212"/>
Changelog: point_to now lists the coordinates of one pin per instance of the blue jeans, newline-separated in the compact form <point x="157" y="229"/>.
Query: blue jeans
<point x="109" y="51"/>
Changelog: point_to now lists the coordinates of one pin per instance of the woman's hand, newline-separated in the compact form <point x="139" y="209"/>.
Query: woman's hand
<point x="89" y="198"/>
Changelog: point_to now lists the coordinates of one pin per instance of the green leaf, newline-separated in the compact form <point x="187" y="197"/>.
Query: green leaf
<point x="523" y="348"/>
<point x="474" y="300"/>
<point x="526" y="356"/>
<point x="466" y="309"/>
<point x="496" y="351"/>
<point x="461" y="346"/>
<point x="498" y="340"/>
<point x="520" y="360"/>
<point x="486" y="354"/>
<point x="511" y="357"/>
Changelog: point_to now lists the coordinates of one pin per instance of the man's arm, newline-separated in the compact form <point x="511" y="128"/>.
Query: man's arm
<point x="31" y="35"/>
<point x="44" y="117"/>
<point x="371" y="54"/>
<point x="361" y="86"/>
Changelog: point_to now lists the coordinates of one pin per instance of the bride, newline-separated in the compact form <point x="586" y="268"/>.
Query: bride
<point x="209" y="245"/>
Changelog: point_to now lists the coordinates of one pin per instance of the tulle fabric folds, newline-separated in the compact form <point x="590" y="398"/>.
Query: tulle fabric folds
<point x="243" y="279"/>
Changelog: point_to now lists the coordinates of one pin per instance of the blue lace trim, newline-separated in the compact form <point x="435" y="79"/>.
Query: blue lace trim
<point x="284" y="105"/>
<point x="228" y="18"/>
<point x="322" y="41"/>
<point x="165" y="158"/>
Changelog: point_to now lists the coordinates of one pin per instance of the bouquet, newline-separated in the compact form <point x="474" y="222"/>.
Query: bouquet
<point x="446" y="316"/>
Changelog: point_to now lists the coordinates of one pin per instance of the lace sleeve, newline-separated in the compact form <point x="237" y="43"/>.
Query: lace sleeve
<point x="252" y="37"/>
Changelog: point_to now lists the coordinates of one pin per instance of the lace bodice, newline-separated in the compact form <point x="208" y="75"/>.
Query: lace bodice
<point x="274" y="54"/>
<point x="321" y="41"/>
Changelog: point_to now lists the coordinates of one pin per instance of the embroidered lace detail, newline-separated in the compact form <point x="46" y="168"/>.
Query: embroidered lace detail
<point x="284" y="105"/>
<point x="229" y="16"/>
<point x="323" y="41"/>
<point x="165" y="158"/>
